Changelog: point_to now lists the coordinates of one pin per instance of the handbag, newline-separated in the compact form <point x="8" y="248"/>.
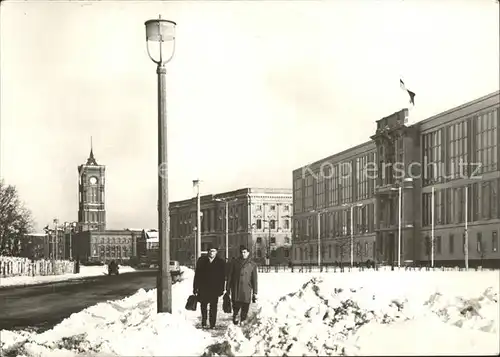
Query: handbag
<point x="226" y="303"/>
<point x="191" y="303"/>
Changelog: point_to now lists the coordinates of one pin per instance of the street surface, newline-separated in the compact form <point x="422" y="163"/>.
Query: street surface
<point x="40" y="307"/>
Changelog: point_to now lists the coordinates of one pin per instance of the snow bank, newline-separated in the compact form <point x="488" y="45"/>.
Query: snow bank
<point x="379" y="313"/>
<point x="128" y="327"/>
<point x="355" y="315"/>
<point x="85" y="271"/>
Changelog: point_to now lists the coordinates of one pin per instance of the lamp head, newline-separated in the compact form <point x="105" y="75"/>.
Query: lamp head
<point x="160" y="40"/>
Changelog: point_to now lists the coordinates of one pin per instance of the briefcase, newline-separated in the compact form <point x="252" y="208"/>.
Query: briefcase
<point x="226" y="304"/>
<point x="191" y="303"/>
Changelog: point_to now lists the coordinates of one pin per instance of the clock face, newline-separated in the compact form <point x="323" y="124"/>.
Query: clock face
<point x="93" y="180"/>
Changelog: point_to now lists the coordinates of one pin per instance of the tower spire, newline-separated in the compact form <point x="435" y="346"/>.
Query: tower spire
<point x="91" y="160"/>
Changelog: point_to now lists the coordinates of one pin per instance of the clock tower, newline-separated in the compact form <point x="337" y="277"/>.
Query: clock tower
<point x="91" y="208"/>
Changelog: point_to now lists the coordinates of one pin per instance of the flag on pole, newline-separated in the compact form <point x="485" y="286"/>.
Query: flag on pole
<point x="410" y="93"/>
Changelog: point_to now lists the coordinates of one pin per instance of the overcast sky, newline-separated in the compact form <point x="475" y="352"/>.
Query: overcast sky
<point x="255" y="90"/>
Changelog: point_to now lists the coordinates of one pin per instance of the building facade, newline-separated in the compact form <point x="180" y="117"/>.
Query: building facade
<point x="446" y="169"/>
<point x="34" y="246"/>
<point x="258" y="218"/>
<point x="331" y="197"/>
<point x="103" y="247"/>
<point x="91" y="195"/>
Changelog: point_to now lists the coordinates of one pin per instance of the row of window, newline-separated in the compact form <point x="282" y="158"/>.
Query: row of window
<point x="272" y="240"/>
<point x="112" y="240"/>
<point x="93" y="216"/>
<point x="481" y="244"/>
<point x="332" y="184"/>
<point x="336" y="224"/>
<point x="186" y="228"/>
<point x="111" y="251"/>
<point x="463" y="149"/>
<point x="92" y="195"/>
<point x="340" y="250"/>
<point x="450" y="204"/>
<point x="271" y="224"/>
<point x="286" y="208"/>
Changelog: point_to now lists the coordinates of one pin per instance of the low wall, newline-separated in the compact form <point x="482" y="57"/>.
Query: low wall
<point x="15" y="266"/>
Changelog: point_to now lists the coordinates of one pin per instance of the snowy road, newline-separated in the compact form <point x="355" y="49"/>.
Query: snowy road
<point x="43" y="306"/>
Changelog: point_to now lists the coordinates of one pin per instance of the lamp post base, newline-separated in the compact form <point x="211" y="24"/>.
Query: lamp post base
<point x="164" y="293"/>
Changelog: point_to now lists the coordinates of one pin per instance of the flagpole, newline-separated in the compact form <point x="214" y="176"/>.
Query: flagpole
<point x="432" y="228"/>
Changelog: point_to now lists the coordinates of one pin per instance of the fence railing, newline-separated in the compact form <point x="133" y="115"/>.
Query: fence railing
<point x="337" y="269"/>
<point x="16" y="266"/>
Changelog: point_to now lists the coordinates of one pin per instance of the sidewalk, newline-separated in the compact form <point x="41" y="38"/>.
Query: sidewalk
<point x="85" y="271"/>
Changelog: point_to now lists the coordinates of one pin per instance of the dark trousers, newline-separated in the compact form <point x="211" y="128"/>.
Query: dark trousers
<point x="243" y="306"/>
<point x="213" y="301"/>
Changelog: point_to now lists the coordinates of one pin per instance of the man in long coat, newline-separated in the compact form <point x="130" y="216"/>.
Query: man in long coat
<point x="208" y="285"/>
<point x="242" y="283"/>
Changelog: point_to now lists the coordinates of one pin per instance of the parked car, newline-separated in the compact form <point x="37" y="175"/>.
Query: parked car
<point x="113" y="268"/>
<point x="175" y="266"/>
<point x="175" y="271"/>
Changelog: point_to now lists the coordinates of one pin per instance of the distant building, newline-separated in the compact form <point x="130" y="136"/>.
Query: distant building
<point x="34" y="246"/>
<point x="56" y="244"/>
<point x="453" y="153"/>
<point x="259" y="218"/>
<point x="97" y="246"/>
<point x="148" y="246"/>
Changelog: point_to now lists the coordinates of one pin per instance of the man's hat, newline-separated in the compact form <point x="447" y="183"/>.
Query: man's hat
<point x="211" y="246"/>
<point x="242" y="247"/>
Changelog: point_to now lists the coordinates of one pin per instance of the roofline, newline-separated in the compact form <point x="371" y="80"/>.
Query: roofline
<point x="343" y="152"/>
<point x="460" y="107"/>
<point x="449" y="111"/>
<point x="235" y="193"/>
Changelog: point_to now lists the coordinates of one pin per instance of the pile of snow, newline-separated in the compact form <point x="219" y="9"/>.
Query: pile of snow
<point x="352" y="315"/>
<point x="127" y="327"/>
<point x="376" y="313"/>
<point x="85" y="271"/>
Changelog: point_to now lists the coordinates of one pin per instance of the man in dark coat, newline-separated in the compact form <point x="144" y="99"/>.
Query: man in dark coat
<point x="242" y="283"/>
<point x="208" y="285"/>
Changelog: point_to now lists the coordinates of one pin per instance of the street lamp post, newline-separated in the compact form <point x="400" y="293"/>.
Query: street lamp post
<point x="227" y="231"/>
<point x="160" y="38"/>
<point x="319" y="212"/>
<point x="432" y="226"/>
<point x="466" y="244"/>
<point x="352" y="228"/>
<point x="71" y="226"/>
<point x="400" y="214"/>
<point x="55" y="243"/>
<point x="198" y="219"/>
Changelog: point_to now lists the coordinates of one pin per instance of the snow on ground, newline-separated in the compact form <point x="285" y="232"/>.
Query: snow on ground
<point x="85" y="271"/>
<point x="358" y="313"/>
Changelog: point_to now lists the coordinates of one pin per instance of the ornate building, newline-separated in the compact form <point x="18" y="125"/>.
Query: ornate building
<point x="453" y="156"/>
<point x="91" y="198"/>
<point x="258" y="218"/>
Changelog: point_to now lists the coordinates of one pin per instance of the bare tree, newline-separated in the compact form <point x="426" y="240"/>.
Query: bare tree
<point x="360" y="252"/>
<point x="482" y="252"/>
<point x="343" y="245"/>
<point x="430" y="245"/>
<point x="15" y="220"/>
